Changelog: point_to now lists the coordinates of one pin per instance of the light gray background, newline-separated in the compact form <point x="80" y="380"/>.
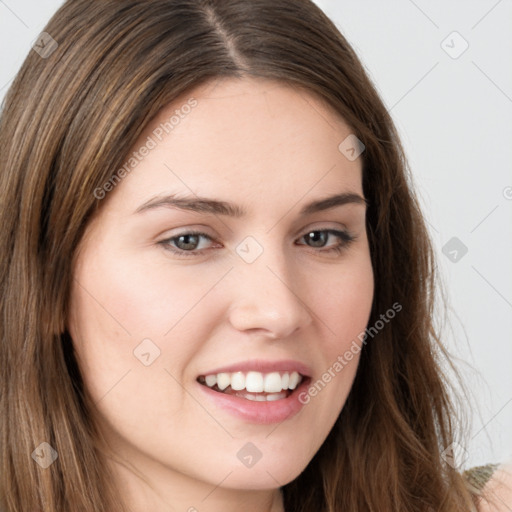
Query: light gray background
<point x="454" y="113"/>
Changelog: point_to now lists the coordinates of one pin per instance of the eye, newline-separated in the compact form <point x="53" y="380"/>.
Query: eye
<point x="319" y="237"/>
<point x="187" y="244"/>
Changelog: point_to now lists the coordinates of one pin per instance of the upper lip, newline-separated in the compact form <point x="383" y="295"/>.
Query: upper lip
<point x="260" y="365"/>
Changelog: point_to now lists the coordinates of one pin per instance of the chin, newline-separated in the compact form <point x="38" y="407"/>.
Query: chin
<point x="271" y="474"/>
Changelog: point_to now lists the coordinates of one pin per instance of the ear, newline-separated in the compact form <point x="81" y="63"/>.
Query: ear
<point x="497" y="493"/>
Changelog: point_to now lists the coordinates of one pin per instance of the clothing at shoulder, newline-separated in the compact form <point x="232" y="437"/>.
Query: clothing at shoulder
<point x="495" y="483"/>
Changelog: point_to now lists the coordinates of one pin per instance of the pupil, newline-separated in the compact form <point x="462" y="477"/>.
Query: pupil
<point x="187" y="244"/>
<point x="316" y="237"/>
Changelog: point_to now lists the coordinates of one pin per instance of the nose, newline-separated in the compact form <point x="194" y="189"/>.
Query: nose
<point x="268" y="298"/>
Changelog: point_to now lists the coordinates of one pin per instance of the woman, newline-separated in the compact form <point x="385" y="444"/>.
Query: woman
<point x="226" y="279"/>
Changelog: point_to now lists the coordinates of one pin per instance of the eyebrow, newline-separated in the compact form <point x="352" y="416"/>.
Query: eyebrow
<point x="213" y="206"/>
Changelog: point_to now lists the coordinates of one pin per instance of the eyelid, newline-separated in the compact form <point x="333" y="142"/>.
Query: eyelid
<point x="321" y="226"/>
<point x="345" y="237"/>
<point x="202" y="230"/>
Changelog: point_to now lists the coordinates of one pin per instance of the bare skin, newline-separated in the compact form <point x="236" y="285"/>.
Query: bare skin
<point x="269" y="149"/>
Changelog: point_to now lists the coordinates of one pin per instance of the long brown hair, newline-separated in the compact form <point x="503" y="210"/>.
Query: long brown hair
<point x="72" y="113"/>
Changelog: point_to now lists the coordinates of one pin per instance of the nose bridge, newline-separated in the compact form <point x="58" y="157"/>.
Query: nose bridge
<point x="267" y="296"/>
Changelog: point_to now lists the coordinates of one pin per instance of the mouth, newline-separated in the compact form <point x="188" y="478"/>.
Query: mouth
<point x="254" y="386"/>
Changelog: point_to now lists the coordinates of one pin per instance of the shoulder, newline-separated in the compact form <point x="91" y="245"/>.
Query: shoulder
<point x="496" y="493"/>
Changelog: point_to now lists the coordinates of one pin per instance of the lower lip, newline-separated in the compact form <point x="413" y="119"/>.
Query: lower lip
<point x="259" y="412"/>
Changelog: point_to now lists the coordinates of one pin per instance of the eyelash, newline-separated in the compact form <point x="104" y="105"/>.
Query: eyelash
<point x="345" y="237"/>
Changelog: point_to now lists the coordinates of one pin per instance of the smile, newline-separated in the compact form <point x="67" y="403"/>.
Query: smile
<point x="255" y="397"/>
<point x="255" y="386"/>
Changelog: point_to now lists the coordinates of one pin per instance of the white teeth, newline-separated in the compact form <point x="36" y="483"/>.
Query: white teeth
<point x="238" y="381"/>
<point x="272" y="383"/>
<point x="294" y="380"/>
<point x="255" y="382"/>
<point x="264" y="398"/>
<point x="275" y="396"/>
<point x="258" y="398"/>
<point x="223" y="380"/>
<point x="211" y="380"/>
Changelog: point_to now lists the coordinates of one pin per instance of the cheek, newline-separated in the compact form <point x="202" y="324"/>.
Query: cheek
<point x="345" y="302"/>
<point x="343" y="307"/>
<point x="132" y="347"/>
<point x="127" y="312"/>
<point x="139" y="296"/>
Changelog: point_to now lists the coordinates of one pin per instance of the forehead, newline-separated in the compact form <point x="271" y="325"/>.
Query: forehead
<point x="249" y="138"/>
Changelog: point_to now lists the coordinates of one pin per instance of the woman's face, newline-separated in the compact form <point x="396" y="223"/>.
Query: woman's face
<point x="269" y="288"/>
